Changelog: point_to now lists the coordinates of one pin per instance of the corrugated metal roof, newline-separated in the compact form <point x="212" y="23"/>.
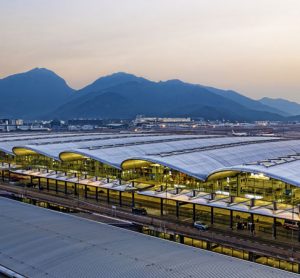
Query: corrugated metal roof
<point x="107" y="141"/>
<point x="36" y="242"/>
<point x="196" y="155"/>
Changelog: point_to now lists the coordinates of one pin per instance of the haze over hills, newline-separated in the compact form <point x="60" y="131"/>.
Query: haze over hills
<point x="250" y="103"/>
<point x="41" y="94"/>
<point x="289" y="107"/>
<point x="133" y="95"/>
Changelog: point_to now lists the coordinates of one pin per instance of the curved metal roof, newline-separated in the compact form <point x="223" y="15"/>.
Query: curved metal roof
<point x="205" y="163"/>
<point x="116" y="155"/>
<point x="287" y="172"/>
<point x="196" y="155"/>
<point x="96" y="142"/>
<point x="202" y="163"/>
<point x="7" y="143"/>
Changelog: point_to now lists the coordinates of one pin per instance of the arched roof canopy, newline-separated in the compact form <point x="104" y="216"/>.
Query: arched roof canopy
<point x="141" y="162"/>
<point x="222" y="174"/>
<point x="24" y="150"/>
<point x="78" y="155"/>
<point x="277" y="175"/>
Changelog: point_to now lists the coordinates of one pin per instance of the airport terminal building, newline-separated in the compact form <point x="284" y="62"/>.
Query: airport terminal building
<point x="227" y="181"/>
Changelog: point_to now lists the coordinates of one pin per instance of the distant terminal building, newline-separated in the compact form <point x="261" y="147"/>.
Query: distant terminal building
<point x="8" y="125"/>
<point x="238" y="182"/>
<point x="81" y="122"/>
<point x="16" y="122"/>
<point x="152" y="120"/>
<point x="163" y="123"/>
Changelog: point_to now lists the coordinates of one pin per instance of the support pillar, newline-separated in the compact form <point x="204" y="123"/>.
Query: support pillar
<point x="238" y="186"/>
<point x="231" y="219"/>
<point x="274" y="230"/>
<point x="56" y="186"/>
<point x="97" y="194"/>
<point x="252" y="218"/>
<point x="120" y="198"/>
<point x="194" y="192"/>
<point x="177" y="209"/>
<point x="251" y="257"/>
<point x="85" y="191"/>
<point x="208" y="245"/>
<point x="47" y="181"/>
<point x="39" y="183"/>
<point x="161" y="206"/>
<point x="211" y="215"/>
<point x="75" y="189"/>
<point x="107" y="195"/>
<point x="194" y="212"/>
<point x="66" y="188"/>
<point x="132" y="199"/>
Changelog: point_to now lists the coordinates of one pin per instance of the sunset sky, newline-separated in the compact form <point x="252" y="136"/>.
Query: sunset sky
<point x="252" y="46"/>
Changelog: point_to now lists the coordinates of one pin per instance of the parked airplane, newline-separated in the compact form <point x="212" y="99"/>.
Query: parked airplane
<point x="239" y="133"/>
<point x="267" y="134"/>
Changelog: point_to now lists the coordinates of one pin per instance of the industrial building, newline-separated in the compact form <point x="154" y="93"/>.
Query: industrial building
<point x="235" y="182"/>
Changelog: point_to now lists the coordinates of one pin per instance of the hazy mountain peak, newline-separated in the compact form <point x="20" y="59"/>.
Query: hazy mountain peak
<point x="175" y="82"/>
<point x="121" y="74"/>
<point x="33" y="93"/>
<point x="37" y="69"/>
<point x="34" y="73"/>
<point x="277" y="99"/>
<point x="112" y="80"/>
<point x="289" y="107"/>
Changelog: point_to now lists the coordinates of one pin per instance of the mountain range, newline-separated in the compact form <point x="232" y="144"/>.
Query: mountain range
<point x="42" y="94"/>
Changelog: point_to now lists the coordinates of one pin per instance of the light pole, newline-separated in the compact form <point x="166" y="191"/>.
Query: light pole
<point x="293" y="223"/>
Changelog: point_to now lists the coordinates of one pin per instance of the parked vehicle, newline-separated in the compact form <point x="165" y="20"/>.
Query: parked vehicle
<point x="139" y="211"/>
<point x="291" y="225"/>
<point x="200" y="225"/>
